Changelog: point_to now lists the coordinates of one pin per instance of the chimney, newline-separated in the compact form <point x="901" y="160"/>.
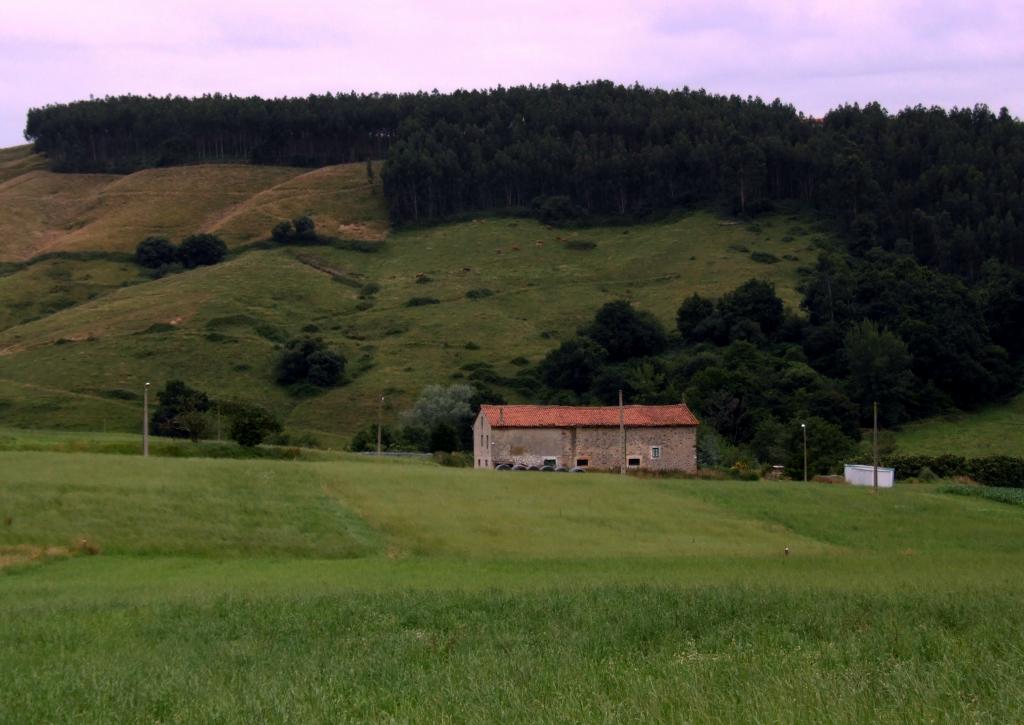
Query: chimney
<point x="501" y="416"/>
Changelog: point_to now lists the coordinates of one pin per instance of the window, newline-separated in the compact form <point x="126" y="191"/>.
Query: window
<point x="550" y="461"/>
<point x="655" y="452"/>
<point x="633" y="462"/>
<point x="582" y="462"/>
<point x="478" y="463"/>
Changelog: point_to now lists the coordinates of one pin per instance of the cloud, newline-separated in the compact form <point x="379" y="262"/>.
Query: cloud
<point x="814" y="53"/>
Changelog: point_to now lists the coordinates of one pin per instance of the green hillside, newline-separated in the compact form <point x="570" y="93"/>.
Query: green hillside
<point x="997" y="430"/>
<point x="78" y="337"/>
<point x="355" y="590"/>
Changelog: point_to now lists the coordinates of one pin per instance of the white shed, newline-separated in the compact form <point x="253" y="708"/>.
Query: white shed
<point x="860" y="475"/>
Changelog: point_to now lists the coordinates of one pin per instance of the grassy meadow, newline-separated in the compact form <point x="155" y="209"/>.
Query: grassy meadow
<point x="351" y="589"/>
<point x="997" y="430"/>
<point x="79" y="335"/>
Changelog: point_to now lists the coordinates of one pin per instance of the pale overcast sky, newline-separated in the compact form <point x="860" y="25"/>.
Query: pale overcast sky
<point x="813" y="54"/>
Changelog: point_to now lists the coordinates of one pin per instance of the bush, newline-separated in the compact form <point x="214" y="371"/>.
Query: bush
<point x="155" y="252"/>
<point x="282" y="232"/>
<point x="479" y="294"/>
<point x="764" y="257"/>
<point x="580" y="245"/>
<point x="251" y="424"/>
<point x="306" y="361"/>
<point x="1001" y="471"/>
<point x="422" y="301"/>
<point x="305" y="229"/>
<point x="201" y="249"/>
<point x="369" y="289"/>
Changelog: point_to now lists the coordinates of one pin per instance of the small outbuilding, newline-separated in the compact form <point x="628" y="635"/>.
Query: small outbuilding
<point x="862" y="475"/>
<point x="641" y="437"/>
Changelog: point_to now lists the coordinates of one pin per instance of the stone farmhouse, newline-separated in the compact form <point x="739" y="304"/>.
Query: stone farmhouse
<point x="657" y="437"/>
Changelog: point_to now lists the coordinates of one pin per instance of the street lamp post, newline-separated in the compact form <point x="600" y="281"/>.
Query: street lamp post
<point x="380" y="410"/>
<point x="145" y="419"/>
<point x="803" y="427"/>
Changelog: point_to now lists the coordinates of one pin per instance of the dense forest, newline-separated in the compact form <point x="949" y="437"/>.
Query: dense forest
<point x="944" y="186"/>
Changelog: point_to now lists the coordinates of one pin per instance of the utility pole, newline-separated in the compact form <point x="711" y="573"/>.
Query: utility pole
<point x="622" y="434"/>
<point x="380" y="410"/>
<point x="874" y="444"/>
<point x="218" y="420"/>
<point x="145" y="420"/>
<point x="803" y="426"/>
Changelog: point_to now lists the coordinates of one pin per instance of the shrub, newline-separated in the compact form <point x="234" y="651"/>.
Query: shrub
<point x="423" y="279"/>
<point x="764" y="257"/>
<point x="180" y="411"/>
<point x="580" y="245"/>
<point x="305" y="229"/>
<point x="479" y="293"/>
<point x="1000" y="471"/>
<point x="421" y="301"/>
<point x="369" y="289"/>
<point x="251" y="424"/>
<point x="201" y="249"/>
<point x="306" y="361"/>
<point x="282" y="232"/>
<point x="155" y="252"/>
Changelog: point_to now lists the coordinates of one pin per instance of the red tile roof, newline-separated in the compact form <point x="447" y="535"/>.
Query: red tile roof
<point x="564" y="416"/>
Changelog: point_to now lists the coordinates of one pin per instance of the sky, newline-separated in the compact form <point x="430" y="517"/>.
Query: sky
<point x="814" y="54"/>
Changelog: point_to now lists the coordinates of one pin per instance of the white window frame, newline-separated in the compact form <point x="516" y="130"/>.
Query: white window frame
<point x="544" y="460"/>
<point x="655" y="453"/>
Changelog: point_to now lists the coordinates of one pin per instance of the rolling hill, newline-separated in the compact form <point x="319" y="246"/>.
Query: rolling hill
<point x="81" y="330"/>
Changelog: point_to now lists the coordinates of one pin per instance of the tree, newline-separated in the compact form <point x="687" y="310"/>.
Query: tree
<point x="754" y="300"/>
<point x="155" y="252"/>
<point x="692" y="315"/>
<point x="251" y="424"/>
<point x="201" y="249"/>
<point x="180" y="412"/>
<point x="626" y="333"/>
<point x="573" y="365"/>
<point x="308" y="360"/>
<point x="827" y="447"/>
<point x="879" y="370"/>
<point x="438" y="404"/>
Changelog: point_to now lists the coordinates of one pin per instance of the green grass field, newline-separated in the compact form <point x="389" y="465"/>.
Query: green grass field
<point x="352" y="590"/>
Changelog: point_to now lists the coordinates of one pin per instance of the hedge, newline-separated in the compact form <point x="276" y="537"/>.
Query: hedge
<point x="1005" y="471"/>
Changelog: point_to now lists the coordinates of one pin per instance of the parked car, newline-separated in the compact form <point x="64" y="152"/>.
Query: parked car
<point x="520" y="467"/>
<point x="577" y="469"/>
<point x="503" y="467"/>
<point x="548" y="468"/>
<point x="561" y="469"/>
